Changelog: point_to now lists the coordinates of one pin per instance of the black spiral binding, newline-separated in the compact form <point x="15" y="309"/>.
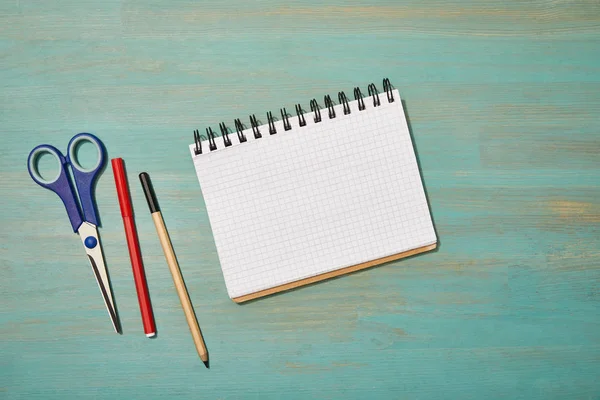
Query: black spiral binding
<point x="212" y="145"/>
<point x="300" y="114"/>
<point x="314" y="108"/>
<point x="239" y="128"/>
<point x="375" y="93"/>
<point x="387" y="86"/>
<point x="286" y="119"/>
<point x="225" y="134"/>
<point x="344" y="101"/>
<point x="359" y="98"/>
<point x="329" y="105"/>
<point x="198" y="142"/>
<point x="254" y="124"/>
<point x="271" y="122"/>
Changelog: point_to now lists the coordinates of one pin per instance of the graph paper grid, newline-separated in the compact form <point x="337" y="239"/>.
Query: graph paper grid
<point x="316" y="198"/>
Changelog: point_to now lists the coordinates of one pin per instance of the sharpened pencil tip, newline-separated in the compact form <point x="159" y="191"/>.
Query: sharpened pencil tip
<point x="206" y="364"/>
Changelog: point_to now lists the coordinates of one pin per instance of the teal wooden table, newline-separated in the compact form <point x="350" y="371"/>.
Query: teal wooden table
<point x="503" y="101"/>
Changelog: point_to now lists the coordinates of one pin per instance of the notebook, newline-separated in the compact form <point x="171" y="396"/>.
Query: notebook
<point x="306" y="197"/>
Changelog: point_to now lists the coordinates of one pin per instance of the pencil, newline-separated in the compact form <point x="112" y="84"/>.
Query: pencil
<point x="165" y="242"/>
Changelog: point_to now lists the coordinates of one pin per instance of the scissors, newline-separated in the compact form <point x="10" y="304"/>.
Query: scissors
<point x="82" y="213"/>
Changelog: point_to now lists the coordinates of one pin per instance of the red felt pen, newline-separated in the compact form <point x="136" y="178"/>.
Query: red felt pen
<point x="134" y="247"/>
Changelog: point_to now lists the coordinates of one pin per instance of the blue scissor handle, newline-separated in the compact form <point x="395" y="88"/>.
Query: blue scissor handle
<point x="60" y="184"/>
<point x="84" y="178"/>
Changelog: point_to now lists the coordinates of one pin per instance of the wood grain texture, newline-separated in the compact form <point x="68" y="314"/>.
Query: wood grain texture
<point x="503" y="101"/>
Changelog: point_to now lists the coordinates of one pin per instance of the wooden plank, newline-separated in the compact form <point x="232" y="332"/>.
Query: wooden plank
<point x="503" y="101"/>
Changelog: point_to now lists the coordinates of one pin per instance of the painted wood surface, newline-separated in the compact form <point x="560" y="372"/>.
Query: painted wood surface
<point x="503" y="100"/>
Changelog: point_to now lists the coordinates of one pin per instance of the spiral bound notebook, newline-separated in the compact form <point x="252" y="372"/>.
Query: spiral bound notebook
<point x="315" y="195"/>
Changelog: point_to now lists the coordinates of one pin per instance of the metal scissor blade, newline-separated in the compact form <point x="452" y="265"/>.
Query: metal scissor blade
<point x="93" y="249"/>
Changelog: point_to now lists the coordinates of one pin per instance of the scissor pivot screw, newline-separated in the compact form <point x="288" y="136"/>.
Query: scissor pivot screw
<point x="90" y="242"/>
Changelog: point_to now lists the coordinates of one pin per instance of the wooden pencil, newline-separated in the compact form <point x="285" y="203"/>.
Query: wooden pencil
<point x="165" y="242"/>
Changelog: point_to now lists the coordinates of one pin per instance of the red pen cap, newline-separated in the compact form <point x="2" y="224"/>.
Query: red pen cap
<point x="122" y="188"/>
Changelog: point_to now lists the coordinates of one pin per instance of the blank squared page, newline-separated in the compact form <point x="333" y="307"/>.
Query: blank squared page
<point x="315" y="198"/>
